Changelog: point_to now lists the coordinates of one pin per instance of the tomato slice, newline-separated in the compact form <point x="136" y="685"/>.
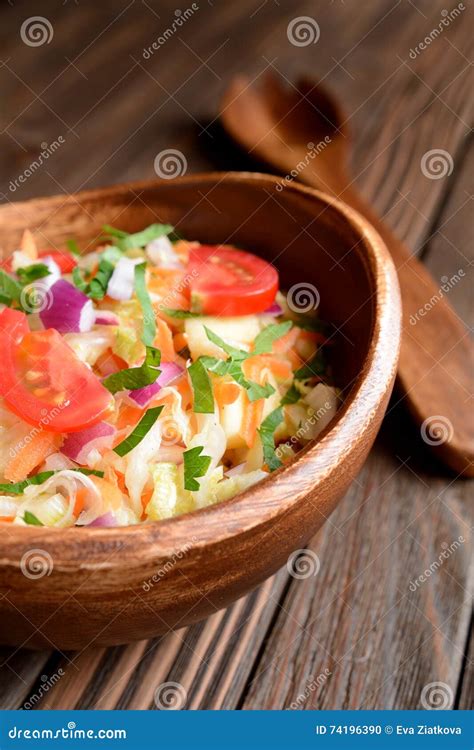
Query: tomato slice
<point x="44" y="382"/>
<point x="65" y="261"/>
<point x="227" y="281"/>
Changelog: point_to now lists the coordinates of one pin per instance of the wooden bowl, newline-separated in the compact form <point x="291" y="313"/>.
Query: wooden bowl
<point x="68" y="588"/>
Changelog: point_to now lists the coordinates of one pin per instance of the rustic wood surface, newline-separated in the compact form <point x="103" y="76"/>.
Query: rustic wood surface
<point x="364" y="632"/>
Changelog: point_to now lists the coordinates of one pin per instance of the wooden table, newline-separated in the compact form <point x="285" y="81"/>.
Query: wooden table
<point x="364" y="632"/>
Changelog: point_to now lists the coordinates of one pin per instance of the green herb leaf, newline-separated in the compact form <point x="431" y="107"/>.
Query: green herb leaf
<point x="149" y="323"/>
<point x="255" y="391"/>
<point x="143" y="427"/>
<point x="227" y="348"/>
<point x="135" y="377"/>
<point x="195" y="466"/>
<point x="98" y="285"/>
<point x="112" y="254"/>
<point x="140" y="239"/>
<point x="113" y="231"/>
<point x="18" y="487"/>
<point x="78" y="281"/>
<point x="27" y="274"/>
<point x="10" y="289"/>
<point x="179" y="314"/>
<point x="316" y="366"/>
<point x="265" y="339"/>
<point x="266" y="432"/>
<point x="291" y="396"/>
<point x="73" y="247"/>
<point x="31" y="519"/>
<point x="203" y="396"/>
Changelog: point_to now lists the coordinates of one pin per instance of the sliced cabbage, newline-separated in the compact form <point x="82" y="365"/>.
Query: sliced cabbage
<point x="167" y="486"/>
<point x="239" y="332"/>
<point x="51" y="510"/>
<point x="90" y="345"/>
<point x="211" y="437"/>
<point x="231" y="486"/>
<point x="62" y="485"/>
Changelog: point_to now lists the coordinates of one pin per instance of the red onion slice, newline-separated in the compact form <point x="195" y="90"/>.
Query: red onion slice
<point x="78" y="445"/>
<point x="274" y="310"/>
<point x="106" y="318"/>
<point x="106" y="521"/>
<point x="67" y="309"/>
<point x="169" y="372"/>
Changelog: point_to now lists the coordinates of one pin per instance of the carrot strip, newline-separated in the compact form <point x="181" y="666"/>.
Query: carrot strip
<point x="31" y="455"/>
<point x="180" y="341"/>
<point x="225" y="392"/>
<point x="164" y="341"/>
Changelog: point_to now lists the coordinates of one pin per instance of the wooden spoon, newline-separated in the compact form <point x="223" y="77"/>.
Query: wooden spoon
<point x="281" y="127"/>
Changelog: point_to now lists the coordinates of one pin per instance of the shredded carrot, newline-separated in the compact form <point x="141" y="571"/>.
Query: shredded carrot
<point x="183" y="387"/>
<point x="225" y="392"/>
<point x="81" y="497"/>
<point x="253" y="410"/>
<point x="31" y="455"/>
<point x="110" y="493"/>
<point x="128" y="417"/>
<point x="108" y="363"/>
<point x="146" y="497"/>
<point x="286" y="342"/>
<point x="180" y="341"/>
<point x="170" y="285"/>
<point x="164" y="341"/>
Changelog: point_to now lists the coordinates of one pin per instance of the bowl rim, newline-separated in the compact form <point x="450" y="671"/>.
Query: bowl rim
<point x="216" y="523"/>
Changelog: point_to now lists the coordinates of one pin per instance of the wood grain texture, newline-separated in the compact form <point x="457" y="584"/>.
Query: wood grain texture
<point x="132" y="118"/>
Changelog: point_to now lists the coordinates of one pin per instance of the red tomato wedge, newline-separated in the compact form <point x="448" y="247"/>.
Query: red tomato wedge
<point x="44" y="382"/>
<point x="227" y="281"/>
<point x="64" y="260"/>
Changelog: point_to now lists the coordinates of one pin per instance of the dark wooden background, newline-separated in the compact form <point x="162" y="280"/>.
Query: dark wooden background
<point x="358" y="618"/>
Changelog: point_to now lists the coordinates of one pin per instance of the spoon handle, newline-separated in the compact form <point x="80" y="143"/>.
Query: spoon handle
<point x="435" y="372"/>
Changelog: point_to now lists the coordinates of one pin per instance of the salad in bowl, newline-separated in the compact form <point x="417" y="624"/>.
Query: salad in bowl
<point x="148" y="378"/>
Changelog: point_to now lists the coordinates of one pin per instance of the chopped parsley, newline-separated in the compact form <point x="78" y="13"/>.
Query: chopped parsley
<point x="136" y="377"/>
<point x="18" y="487"/>
<point x="31" y="519"/>
<point x="143" y="427"/>
<point x="266" y="432"/>
<point x="149" y="323"/>
<point x="202" y="388"/>
<point x="31" y="273"/>
<point x="315" y="367"/>
<point x="195" y="466"/>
